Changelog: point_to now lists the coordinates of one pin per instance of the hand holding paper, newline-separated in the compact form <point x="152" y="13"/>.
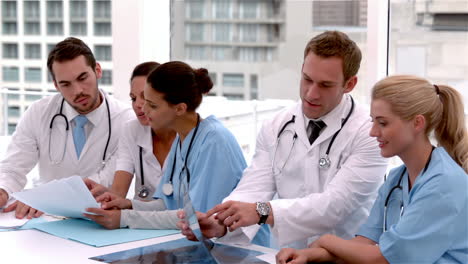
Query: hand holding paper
<point x="67" y="197"/>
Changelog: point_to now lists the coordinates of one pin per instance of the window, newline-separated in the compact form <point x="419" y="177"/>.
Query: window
<point x="13" y="111"/>
<point x="11" y="128"/>
<point x="54" y="28"/>
<point x="194" y="9"/>
<point x="222" y="9"/>
<point x="106" y="78"/>
<point x="32" y="74"/>
<point x="10" y="74"/>
<point x="32" y="28"/>
<point x="102" y="9"/>
<point x="102" y="29"/>
<point x="253" y="87"/>
<point x="233" y="80"/>
<point x="9" y="10"/>
<point x="248" y="33"/>
<point x="234" y="96"/>
<point x="10" y="51"/>
<point x="12" y="95"/>
<point x="339" y="13"/>
<point x="222" y="32"/>
<point x="248" y="9"/>
<point x="32" y="51"/>
<point x="32" y="10"/>
<point x="9" y="28"/>
<point x="213" y="77"/>
<point x="32" y="95"/>
<point x="78" y="28"/>
<point x="196" y="52"/>
<point x="103" y="52"/>
<point x="222" y="53"/>
<point x="78" y="9"/>
<point x="195" y="32"/>
<point x="54" y="10"/>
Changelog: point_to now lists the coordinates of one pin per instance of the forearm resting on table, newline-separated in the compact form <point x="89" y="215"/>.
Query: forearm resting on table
<point x="358" y="250"/>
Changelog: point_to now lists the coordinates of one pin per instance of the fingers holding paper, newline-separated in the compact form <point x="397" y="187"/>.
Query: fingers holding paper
<point x="109" y="219"/>
<point x="110" y="200"/>
<point x="22" y="210"/>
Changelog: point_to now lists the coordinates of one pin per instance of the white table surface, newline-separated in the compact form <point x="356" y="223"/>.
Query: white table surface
<point x="33" y="246"/>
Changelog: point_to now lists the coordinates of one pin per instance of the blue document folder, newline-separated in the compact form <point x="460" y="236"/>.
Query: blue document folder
<point x="93" y="234"/>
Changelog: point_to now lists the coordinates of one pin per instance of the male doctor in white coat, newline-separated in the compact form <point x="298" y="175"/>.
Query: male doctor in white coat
<point x="334" y="197"/>
<point x="49" y="134"/>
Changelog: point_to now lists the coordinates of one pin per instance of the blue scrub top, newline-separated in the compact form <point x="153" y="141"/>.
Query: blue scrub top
<point x="215" y="163"/>
<point x="434" y="224"/>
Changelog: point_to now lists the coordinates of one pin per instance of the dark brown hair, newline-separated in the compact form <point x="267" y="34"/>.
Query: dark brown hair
<point x="336" y="44"/>
<point x="143" y="69"/>
<point x="69" y="49"/>
<point x="180" y="83"/>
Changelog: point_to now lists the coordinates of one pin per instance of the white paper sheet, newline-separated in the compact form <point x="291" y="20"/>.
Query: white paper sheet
<point x="9" y="220"/>
<point x="67" y="197"/>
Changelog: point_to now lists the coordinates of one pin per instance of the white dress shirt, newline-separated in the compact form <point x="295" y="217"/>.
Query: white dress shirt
<point x="133" y="137"/>
<point x="313" y="201"/>
<point x="34" y="142"/>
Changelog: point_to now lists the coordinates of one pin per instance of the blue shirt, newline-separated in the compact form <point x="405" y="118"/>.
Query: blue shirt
<point x="215" y="163"/>
<point x="434" y="224"/>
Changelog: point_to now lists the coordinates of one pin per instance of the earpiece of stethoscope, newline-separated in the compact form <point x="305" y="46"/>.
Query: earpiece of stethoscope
<point x="144" y="192"/>
<point x="324" y="162"/>
<point x="168" y="189"/>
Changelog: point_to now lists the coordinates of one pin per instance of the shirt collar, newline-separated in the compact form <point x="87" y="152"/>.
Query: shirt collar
<point x="332" y="119"/>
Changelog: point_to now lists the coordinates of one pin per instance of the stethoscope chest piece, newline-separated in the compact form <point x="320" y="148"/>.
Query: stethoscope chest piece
<point x="324" y="162"/>
<point x="144" y="192"/>
<point x="167" y="189"/>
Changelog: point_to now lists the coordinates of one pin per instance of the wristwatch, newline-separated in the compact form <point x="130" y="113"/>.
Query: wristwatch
<point x="263" y="210"/>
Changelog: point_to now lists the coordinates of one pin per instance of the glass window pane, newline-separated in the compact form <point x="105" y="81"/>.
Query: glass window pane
<point x="195" y="32"/>
<point x="54" y="10"/>
<point x="31" y="10"/>
<point x="32" y="51"/>
<point x="103" y="52"/>
<point x="248" y="9"/>
<point x="54" y="28"/>
<point x="222" y="9"/>
<point x="106" y="78"/>
<point x="339" y="13"/>
<point x="11" y="128"/>
<point x="32" y="28"/>
<point x="102" y="29"/>
<point x="196" y="52"/>
<point x="78" y="9"/>
<point x="222" y="32"/>
<point x="10" y="51"/>
<point x="10" y="74"/>
<point x="9" y="28"/>
<point x="13" y="111"/>
<point x="32" y="74"/>
<point x="102" y="9"/>
<point x="78" y="28"/>
<point x="9" y="10"/>
<point x="233" y="79"/>
<point x="195" y="9"/>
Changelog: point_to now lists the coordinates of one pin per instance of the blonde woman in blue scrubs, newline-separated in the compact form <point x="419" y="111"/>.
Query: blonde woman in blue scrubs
<point x="420" y="215"/>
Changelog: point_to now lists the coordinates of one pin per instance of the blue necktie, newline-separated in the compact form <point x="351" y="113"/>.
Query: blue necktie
<point x="79" y="136"/>
<point x="314" y="129"/>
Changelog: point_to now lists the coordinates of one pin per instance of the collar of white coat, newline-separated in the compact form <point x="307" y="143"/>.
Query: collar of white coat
<point x="143" y="136"/>
<point x="333" y="120"/>
<point x="97" y="115"/>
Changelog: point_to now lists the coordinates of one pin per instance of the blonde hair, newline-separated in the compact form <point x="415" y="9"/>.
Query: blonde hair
<point x="441" y="106"/>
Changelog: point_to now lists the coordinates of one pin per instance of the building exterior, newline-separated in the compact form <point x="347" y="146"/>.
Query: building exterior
<point x="254" y="49"/>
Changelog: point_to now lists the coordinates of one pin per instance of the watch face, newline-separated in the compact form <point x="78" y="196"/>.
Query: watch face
<point x="263" y="208"/>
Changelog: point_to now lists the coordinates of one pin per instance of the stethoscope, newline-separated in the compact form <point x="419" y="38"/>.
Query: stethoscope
<point x="168" y="188"/>
<point x="399" y="186"/>
<point x="324" y="161"/>
<point x="144" y="191"/>
<point x="60" y="114"/>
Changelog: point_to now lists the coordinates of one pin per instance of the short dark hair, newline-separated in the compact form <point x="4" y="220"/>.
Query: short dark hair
<point x="144" y="69"/>
<point x="69" y="49"/>
<point x="336" y="44"/>
<point x="180" y="83"/>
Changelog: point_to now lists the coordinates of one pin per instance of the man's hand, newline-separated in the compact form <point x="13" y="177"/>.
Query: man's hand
<point x="109" y="200"/>
<point x="234" y="214"/>
<point x="22" y="210"/>
<point x="95" y="188"/>
<point x="109" y="219"/>
<point x="209" y="226"/>
<point x="3" y="198"/>
<point x="291" y="256"/>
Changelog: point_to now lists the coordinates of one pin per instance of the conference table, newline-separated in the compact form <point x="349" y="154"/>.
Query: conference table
<point x="33" y="246"/>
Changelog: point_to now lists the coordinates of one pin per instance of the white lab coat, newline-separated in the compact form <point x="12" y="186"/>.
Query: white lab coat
<point x="313" y="201"/>
<point x="133" y="137"/>
<point x="30" y="144"/>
